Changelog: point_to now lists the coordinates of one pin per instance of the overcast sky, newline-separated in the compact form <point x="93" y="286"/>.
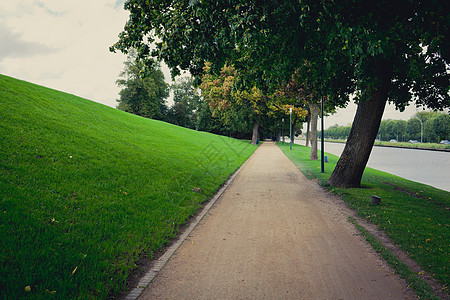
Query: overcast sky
<point x="64" y="45"/>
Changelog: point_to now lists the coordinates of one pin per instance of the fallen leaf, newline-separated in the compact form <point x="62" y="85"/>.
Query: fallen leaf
<point x="28" y="288"/>
<point x="197" y="189"/>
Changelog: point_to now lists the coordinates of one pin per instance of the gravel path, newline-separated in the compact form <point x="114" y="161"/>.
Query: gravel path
<point x="274" y="234"/>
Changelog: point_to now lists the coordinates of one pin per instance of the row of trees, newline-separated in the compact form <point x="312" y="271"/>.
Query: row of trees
<point x="436" y="127"/>
<point x="145" y="92"/>
<point x="215" y="106"/>
<point x="377" y="50"/>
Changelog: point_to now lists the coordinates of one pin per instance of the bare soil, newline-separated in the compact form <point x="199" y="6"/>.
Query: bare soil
<point x="274" y="234"/>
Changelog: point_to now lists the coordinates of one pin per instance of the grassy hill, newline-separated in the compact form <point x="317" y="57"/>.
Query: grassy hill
<point x="86" y="190"/>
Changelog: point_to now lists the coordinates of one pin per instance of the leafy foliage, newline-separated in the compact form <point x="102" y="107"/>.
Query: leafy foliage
<point x="441" y="126"/>
<point x="238" y="108"/>
<point x="380" y="50"/>
<point x="187" y="103"/>
<point x="144" y="89"/>
<point x="339" y="41"/>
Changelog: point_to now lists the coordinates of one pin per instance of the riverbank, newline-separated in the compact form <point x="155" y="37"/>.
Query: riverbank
<point x="404" y="145"/>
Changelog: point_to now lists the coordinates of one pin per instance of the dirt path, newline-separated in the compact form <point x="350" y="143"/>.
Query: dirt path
<point x="275" y="235"/>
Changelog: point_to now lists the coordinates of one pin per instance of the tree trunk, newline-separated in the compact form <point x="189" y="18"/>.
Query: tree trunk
<point x="255" y="132"/>
<point x="314" y="108"/>
<point x="308" y="121"/>
<point x="353" y="161"/>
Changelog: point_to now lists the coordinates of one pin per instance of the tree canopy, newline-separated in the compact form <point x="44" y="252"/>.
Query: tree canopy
<point x="380" y="50"/>
<point x="238" y="108"/>
<point x="271" y="39"/>
<point x="186" y="104"/>
<point x="143" y="88"/>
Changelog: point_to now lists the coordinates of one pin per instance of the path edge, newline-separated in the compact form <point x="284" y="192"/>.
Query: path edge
<point x="382" y="237"/>
<point x="145" y="281"/>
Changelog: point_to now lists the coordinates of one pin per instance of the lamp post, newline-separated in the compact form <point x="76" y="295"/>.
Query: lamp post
<point x="282" y="130"/>
<point x="421" y="129"/>
<point x="290" y="124"/>
<point x="322" y="152"/>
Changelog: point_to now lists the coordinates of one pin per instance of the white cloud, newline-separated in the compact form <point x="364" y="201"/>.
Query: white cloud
<point x="48" y="10"/>
<point x="64" y="45"/>
<point x="13" y="45"/>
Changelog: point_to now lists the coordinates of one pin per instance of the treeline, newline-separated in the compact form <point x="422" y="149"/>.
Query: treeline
<point x="303" y="54"/>
<point x="147" y="97"/>
<point x="214" y="106"/>
<point x="435" y="126"/>
<point x="145" y="92"/>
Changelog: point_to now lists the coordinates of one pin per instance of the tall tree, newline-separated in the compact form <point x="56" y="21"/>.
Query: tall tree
<point x="186" y="104"/>
<point x="381" y="50"/>
<point x="231" y="104"/>
<point x="441" y="126"/>
<point x="299" y="95"/>
<point x="397" y="56"/>
<point x="143" y="88"/>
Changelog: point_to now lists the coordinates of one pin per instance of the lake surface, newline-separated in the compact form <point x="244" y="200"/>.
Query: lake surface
<point x="424" y="166"/>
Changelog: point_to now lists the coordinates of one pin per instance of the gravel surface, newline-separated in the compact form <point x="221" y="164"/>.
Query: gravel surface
<point x="274" y="234"/>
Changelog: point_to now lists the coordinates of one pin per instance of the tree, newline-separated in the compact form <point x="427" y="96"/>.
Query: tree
<point x="396" y="55"/>
<point x="441" y="126"/>
<point x="337" y="132"/>
<point x="413" y="129"/>
<point x="400" y="130"/>
<point x="186" y="104"/>
<point x="206" y="121"/>
<point x="279" y="106"/>
<point x="232" y="105"/>
<point x="429" y="135"/>
<point x="143" y="88"/>
<point x="427" y="119"/>
<point x="380" y="50"/>
<point x="303" y="99"/>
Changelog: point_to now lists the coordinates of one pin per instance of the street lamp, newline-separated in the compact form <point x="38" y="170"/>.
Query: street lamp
<point x="322" y="153"/>
<point x="282" y="130"/>
<point x="290" y="123"/>
<point x="421" y="129"/>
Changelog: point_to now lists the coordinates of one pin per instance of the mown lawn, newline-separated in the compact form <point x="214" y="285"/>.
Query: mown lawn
<point x="86" y="190"/>
<point x="415" y="216"/>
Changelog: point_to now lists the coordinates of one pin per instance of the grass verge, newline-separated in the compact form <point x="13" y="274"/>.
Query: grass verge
<point x="417" y="284"/>
<point x="86" y="190"/>
<point x="415" y="216"/>
<point x="427" y="146"/>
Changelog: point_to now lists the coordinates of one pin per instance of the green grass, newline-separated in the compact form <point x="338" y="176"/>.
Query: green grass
<point x="417" y="145"/>
<point x="417" y="284"/>
<point x="86" y="190"/>
<point x="419" y="224"/>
